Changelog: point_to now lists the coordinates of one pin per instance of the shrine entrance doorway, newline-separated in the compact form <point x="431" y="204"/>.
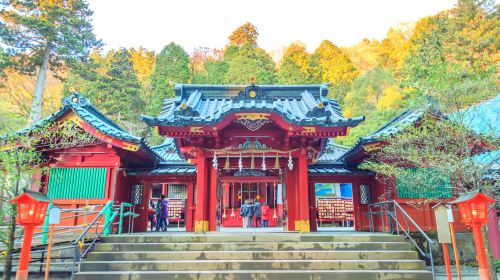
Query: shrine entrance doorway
<point x="234" y="191"/>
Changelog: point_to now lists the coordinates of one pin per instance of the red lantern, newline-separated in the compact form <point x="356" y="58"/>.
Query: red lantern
<point x="31" y="211"/>
<point x="473" y="208"/>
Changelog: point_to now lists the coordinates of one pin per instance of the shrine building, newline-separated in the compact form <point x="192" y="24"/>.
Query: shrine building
<point x="224" y="145"/>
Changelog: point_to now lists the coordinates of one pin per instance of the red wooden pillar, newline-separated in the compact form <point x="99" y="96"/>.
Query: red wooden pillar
<point x="303" y="222"/>
<point x="356" y="206"/>
<point x="212" y="225"/>
<point x="189" y="211"/>
<point x="201" y="213"/>
<point x="312" y="207"/>
<point x="292" y="198"/>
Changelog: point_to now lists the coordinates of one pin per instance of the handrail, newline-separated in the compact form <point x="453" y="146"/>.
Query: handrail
<point x="80" y="242"/>
<point x="131" y="214"/>
<point x="392" y="215"/>
<point x="93" y="222"/>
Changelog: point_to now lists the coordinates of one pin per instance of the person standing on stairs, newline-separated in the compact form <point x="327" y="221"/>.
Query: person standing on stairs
<point x="258" y="214"/>
<point x="244" y="213"/>
<point x="251" y="213"/>
<point x="163" y="213"/>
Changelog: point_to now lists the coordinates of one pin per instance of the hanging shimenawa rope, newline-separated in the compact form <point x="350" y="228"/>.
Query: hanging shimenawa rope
<point x="232" y="151"/>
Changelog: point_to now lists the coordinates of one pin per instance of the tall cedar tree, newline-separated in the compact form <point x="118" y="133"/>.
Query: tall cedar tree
<point x="334" y="66"/>
<point x="111" y="84"/>
<point x="249" y="63"/>
<point x="45" y="35"/>
<point x="172" y="64"/>
<point x="427" y="50"/>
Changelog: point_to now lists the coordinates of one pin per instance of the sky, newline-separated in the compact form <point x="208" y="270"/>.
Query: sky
<point x="204" y="23"/>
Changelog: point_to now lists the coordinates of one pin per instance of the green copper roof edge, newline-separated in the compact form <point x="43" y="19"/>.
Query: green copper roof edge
<point x="80" y="105"/>
<point x="155" y="121"/>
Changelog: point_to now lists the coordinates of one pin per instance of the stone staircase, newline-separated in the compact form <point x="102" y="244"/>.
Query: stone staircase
<point x="287" y="256"/>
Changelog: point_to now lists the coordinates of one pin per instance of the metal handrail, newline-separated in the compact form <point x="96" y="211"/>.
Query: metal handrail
<point x="80" y="241"/>
<point x="393" y="215"/>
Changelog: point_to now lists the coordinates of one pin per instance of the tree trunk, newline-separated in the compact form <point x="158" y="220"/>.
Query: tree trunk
<point x="36" y="104"/>
<point x="10" y="247"/>
<point x="12" y="233"/>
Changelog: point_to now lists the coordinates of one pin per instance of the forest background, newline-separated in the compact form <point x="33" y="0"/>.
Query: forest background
<point x="374" y="78"/>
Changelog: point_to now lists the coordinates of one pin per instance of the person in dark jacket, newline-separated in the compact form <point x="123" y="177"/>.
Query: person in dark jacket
<point x="244" y="213"/>
<point x="251" y="213"/>
<point x="258" y="213"/>
<point x="163" y="213"/>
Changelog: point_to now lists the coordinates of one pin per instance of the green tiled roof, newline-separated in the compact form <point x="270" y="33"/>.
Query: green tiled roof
<point x="165" y="169"/>
<point x="394" y="126"/>
<point x="331" y="152"/>
<point x="208" y="104"/>
<point x="334" y="168"/>
<point x="82" y="106"/>
<point x="90" y="114"/>
<point x="168" y="152"/>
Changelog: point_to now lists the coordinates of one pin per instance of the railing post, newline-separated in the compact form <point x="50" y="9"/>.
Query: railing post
<point x="383" y="218"/>
<point x="45" y="229"/>
<point x="431" y="260"/>
<point x="107" y="215"/>
<point x="370" y="214"/>
<point x="120" y="223"/>
<point x="396" y="218"/>
<point x="75" y="260"/>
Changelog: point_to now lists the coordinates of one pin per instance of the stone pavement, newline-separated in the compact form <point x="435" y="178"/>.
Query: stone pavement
<point x="468" y="273"/>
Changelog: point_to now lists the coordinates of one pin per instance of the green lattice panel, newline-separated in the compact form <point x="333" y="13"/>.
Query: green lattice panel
<point x="423" y="183"/>
<point x="77" y="183"/>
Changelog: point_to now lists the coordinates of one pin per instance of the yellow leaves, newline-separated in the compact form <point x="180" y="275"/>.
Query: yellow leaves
<point x="17" y="93"/>
<point x="391" y="98"/>
<point x="143" y="62"/>
<point x="247" y="33"/>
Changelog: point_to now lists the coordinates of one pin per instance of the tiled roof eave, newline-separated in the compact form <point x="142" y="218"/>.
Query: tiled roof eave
<point x="179" y="121"/>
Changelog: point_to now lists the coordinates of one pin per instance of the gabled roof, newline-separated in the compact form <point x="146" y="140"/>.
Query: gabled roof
<point x="331" y="152"/>
<point x="84" y="109"/>
<point x="209" y="104"/>
<point x="90" y="114"/>
<point x="168" y="152"/>
<point x="394" y="126"/>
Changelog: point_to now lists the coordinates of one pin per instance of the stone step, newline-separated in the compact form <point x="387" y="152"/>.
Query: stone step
<point x="259" y="275"/>
<point x="253" y="255"/>
<point x="252" y="246"/>
<point x="218" y="265"/>
<point x="182" y="238"/>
